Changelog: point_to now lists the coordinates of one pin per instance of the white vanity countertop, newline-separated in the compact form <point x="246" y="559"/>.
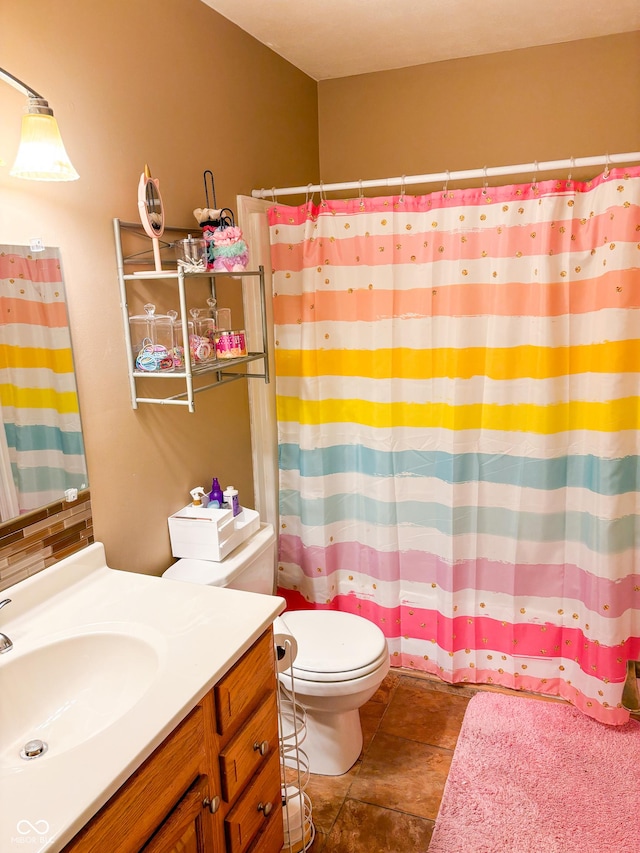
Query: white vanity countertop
<point x="162" y="645"/>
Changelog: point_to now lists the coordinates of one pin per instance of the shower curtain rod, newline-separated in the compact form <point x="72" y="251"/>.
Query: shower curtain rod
<point x="605" y="160"/>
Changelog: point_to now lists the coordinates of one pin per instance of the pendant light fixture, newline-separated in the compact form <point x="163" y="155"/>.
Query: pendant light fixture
<point x="41" y="155"/>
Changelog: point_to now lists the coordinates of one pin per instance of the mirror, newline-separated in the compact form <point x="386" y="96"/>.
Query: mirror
<point x="151" y="211"/>
<point x="41" y="444"/>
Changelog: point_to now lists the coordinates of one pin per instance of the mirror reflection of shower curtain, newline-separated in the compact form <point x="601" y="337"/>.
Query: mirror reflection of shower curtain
<point x="9" y="506"/>
<point x="41" y="419"/>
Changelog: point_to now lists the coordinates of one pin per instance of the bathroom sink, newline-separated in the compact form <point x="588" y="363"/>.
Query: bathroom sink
<point x="66" y="691"/>
<point x="105" y="664"/>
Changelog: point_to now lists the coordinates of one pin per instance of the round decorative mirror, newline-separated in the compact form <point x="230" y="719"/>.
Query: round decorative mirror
<point x="151" y="211"/>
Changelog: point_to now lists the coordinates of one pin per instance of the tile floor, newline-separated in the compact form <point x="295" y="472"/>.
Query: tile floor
<point x="389" y="800"/>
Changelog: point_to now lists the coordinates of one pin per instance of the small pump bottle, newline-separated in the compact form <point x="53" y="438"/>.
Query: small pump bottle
<point x="216" y="498"/>
<point x="232" y="500"/>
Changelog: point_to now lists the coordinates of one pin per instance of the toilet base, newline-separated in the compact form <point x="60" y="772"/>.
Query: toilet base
<point x="333" y="742"/>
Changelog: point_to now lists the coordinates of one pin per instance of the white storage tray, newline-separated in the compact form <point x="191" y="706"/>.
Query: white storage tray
<point x="210" y="534"/>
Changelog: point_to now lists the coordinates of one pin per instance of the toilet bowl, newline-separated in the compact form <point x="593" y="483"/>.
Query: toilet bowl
<point x="341" y="658"/>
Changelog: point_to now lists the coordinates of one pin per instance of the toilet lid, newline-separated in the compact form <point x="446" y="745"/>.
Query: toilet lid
<point x="334" y="645"/>
<point x="303" y="676"/>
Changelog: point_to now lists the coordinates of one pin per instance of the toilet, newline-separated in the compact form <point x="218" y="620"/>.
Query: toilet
<point x="341" y="658"/>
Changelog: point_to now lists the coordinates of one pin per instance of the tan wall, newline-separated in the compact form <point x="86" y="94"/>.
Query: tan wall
<point x="171" y="83"/>
<point x="569" y="100"/>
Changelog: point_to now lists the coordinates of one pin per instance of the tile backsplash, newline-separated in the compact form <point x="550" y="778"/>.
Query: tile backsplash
<point x="33" y="542"/>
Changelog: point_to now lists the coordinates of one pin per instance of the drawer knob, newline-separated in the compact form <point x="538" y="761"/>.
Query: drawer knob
<point x="262" y="747"/>
<point x="265" y="808"/>
<point x="212" y="804"/>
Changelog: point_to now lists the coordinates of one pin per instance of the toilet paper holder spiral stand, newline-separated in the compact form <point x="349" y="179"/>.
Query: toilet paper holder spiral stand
<point x="297" y="811"/>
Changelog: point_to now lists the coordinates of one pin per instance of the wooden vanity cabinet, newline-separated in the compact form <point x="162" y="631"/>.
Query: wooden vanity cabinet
<point x="213" y="785"/>
<point x="249" y="753"/>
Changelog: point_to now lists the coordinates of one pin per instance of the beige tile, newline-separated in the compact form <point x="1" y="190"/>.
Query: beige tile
<point x="403" y="775"/>
<point x="370" y="716"/>
<point x="420" y="713"/>
<point x="384" y="693"/>
<point x="318" y="845"/>
<point x="365" y="828"/>
<point x="12" y="575"/>
<point x="327" y="794"/>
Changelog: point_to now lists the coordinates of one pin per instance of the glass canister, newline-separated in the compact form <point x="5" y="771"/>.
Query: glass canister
<point x="202" y="340"/>
<point x="178" y="339"/>
<point x="221" y="316"/>
<point x="152" y="341"/>
<point x="191" y="253"/>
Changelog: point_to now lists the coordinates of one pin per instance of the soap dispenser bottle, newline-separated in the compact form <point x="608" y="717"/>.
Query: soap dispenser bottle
<point x="216" y="494"/>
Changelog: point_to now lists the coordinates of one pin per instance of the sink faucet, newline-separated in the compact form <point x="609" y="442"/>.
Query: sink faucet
<point x="5" y="643"/>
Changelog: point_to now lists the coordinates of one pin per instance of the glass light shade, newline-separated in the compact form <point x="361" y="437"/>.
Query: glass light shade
<point x="41" y="155"/>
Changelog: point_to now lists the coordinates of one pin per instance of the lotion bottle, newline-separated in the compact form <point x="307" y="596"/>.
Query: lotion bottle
<point x="232" y="500"/>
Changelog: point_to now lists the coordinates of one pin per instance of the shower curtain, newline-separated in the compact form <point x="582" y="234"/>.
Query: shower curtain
<point x="41" y="444"/>
<point x="458" y="405"/>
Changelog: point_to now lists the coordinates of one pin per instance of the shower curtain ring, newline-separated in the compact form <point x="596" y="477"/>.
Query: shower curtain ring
<point x="323" y="198"/>
<point x="534" y="182"/>
<point x="446" y="184"/>
<point x="273" y="195"/>
<point x="306" y="199"/>
<point x="606" y="172"/>
<point x="402" y="187"/>
<point x="360" y="194"/>
<point x="571" y="168"/>
<point x="485" y="182"/>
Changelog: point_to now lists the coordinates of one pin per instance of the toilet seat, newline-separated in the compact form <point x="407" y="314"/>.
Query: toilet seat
<point x="335" y="646"/>
<point x="343" y="675"/>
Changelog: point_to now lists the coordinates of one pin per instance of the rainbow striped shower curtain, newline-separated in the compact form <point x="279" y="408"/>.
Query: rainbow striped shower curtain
<point x="458" y="403"/>
<point x="41" y="443"/>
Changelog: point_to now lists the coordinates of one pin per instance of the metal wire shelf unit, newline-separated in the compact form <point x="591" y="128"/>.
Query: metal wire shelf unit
<point x="223" y="371"/>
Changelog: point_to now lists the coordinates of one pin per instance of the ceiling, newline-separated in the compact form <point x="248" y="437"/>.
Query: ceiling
<point x="339" y="38"/>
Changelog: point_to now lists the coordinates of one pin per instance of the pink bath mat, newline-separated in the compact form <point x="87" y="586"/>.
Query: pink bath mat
<point x="529" y="776"/>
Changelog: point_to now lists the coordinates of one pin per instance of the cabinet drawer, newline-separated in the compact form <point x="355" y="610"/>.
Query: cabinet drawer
<point x="260" y="802"/>
<point x="271" y="839"/>
<point x="146" y="798"/>
<point x="251" y="747"/>
<point x="238" y="692"/>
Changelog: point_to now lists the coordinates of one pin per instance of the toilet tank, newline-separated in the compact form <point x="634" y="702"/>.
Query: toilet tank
<point x="250" y="567"/>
